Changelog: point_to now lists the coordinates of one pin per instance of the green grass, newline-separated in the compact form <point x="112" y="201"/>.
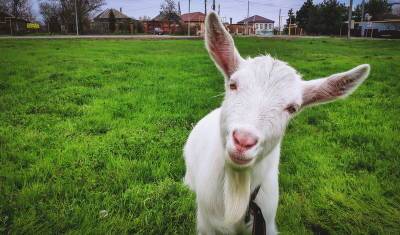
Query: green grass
<point x="92" y="125"/>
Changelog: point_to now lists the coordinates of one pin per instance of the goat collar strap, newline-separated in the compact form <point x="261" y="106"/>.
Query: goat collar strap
<point x="258" y="218"/>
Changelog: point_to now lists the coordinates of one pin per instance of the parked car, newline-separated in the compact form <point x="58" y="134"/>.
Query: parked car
<point x="158" y="31"/>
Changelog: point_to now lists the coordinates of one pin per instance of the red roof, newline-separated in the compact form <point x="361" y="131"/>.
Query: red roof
<point x="193" y="17"/>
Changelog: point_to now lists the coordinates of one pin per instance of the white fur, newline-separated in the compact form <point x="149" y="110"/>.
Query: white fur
<point x="266" y="87"/>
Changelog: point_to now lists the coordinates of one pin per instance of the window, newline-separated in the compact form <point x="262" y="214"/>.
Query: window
<point x="256" y="26"/>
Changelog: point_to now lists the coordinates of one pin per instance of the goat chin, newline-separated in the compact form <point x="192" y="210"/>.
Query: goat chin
<point x="236" y="195"/>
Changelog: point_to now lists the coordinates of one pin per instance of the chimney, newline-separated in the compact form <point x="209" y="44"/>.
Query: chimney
<point x="120" y="9"/>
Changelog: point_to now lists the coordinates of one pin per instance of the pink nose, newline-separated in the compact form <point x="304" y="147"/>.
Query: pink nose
<point x="244" y="140"/>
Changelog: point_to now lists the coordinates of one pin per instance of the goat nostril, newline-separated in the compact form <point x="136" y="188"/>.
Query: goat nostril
<point x="236" y="138"/>
<point x="249" y="145"/>
<point x="244" y="139"/>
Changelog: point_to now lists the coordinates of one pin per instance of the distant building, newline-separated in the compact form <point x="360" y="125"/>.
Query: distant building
<point x="163" y="24"/>
<point x="257" y="25"/>
<point x="112" y="20"/>
<point x="12" y="25"/>
<point x="236" y="29"/>
<point x="196" y="20"/>
<point x="395" y="4"/>
<point x="389" y="28"/>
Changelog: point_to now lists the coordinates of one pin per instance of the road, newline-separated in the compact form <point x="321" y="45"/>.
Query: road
<point x="164" y="37"/>
<point x="137" y="37"/>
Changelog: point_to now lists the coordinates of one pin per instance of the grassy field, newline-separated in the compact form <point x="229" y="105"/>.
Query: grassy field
<point x="91" y="136"/>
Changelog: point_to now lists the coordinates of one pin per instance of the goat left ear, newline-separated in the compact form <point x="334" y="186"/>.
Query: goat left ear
<point x="220" y="46"/>
<point x="335" y="86"/>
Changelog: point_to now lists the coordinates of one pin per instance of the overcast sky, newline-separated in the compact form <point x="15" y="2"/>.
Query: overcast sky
<point x="237" y="9"/>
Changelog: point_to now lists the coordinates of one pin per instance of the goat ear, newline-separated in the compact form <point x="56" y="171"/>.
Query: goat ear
<point x="335" y="86"/>
<point x="220" y="46"/>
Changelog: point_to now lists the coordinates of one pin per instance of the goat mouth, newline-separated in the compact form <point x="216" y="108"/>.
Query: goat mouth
<point x="239" y="159"/>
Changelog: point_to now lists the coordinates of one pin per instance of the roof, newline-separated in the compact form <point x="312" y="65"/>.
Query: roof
<point x="106" y="14"/>
<point x="195" y="16"/>
<point x="256" y="19"/>
<point x="169" y="17"/>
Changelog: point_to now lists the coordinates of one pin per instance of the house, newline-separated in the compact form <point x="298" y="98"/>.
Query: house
<point x="196" y="21"/>
<point x="163" y="24"/>
<point x="257" y="25"/>
<point x="236" y="29"/>
<point x="388" y="28"/>
<point x="111" y="21"/>
<point x="12" y="25"/>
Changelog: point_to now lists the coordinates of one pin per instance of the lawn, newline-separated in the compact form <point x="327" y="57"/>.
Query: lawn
<point x="91" y="136"/>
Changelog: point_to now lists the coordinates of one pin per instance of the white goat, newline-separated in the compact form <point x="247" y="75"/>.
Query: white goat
<point x="236" y="147"/>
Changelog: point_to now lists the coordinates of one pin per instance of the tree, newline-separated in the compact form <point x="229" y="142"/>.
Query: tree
<point x="18" y="8"/>
<point x="357" y="13"/>
<point x="333" y="14"/>
<point x="169" y="12"/>
<point x="324" y="18"/>
<point x="50" y="11"/>
<point x="375" y="8"/>
<point x="291" y="18"/>
<point x="85" y="9"/>
<point x="168" y="7"/>
<point x="304" y="14"/>
<point x="3" y="5"/>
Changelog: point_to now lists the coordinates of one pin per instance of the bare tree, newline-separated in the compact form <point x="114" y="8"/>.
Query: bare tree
<point x="50" y="11"/>
<point x="18" y="8"/>
<point x="169" y="7"/>
<point x="85" y="9"/>
<point x="3" y="5"/>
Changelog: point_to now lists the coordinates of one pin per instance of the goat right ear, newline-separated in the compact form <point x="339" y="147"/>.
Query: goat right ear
<point x="220" y="46"/>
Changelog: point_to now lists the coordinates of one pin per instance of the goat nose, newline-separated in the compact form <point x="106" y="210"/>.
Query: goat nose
<point x="244" y="140"/>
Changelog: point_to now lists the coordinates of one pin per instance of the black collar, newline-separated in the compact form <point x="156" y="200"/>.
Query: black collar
<point x="258" y="218"/>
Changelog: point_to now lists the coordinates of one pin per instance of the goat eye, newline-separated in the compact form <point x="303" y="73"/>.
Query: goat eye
<point x="292" y="108"/>
<point x="233" y="86"/>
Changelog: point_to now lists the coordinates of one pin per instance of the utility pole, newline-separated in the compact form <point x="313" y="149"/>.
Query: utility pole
<point x="248" y="8"/>
<point x="213" y="5"/>
<point x="362" y="10"/>
<point x="189" y="21"/>
<point x="279" y="27"/>
<point x="76" y="20"/>
<point x="349" y="19"/>
<point x="179" y="8"/>
<point x="219" y="9"/>
<point x="11" y="29"/>
<point x="362" y="17"/>
<point x="205" y="7"/>
<point x="248" y="15"/>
